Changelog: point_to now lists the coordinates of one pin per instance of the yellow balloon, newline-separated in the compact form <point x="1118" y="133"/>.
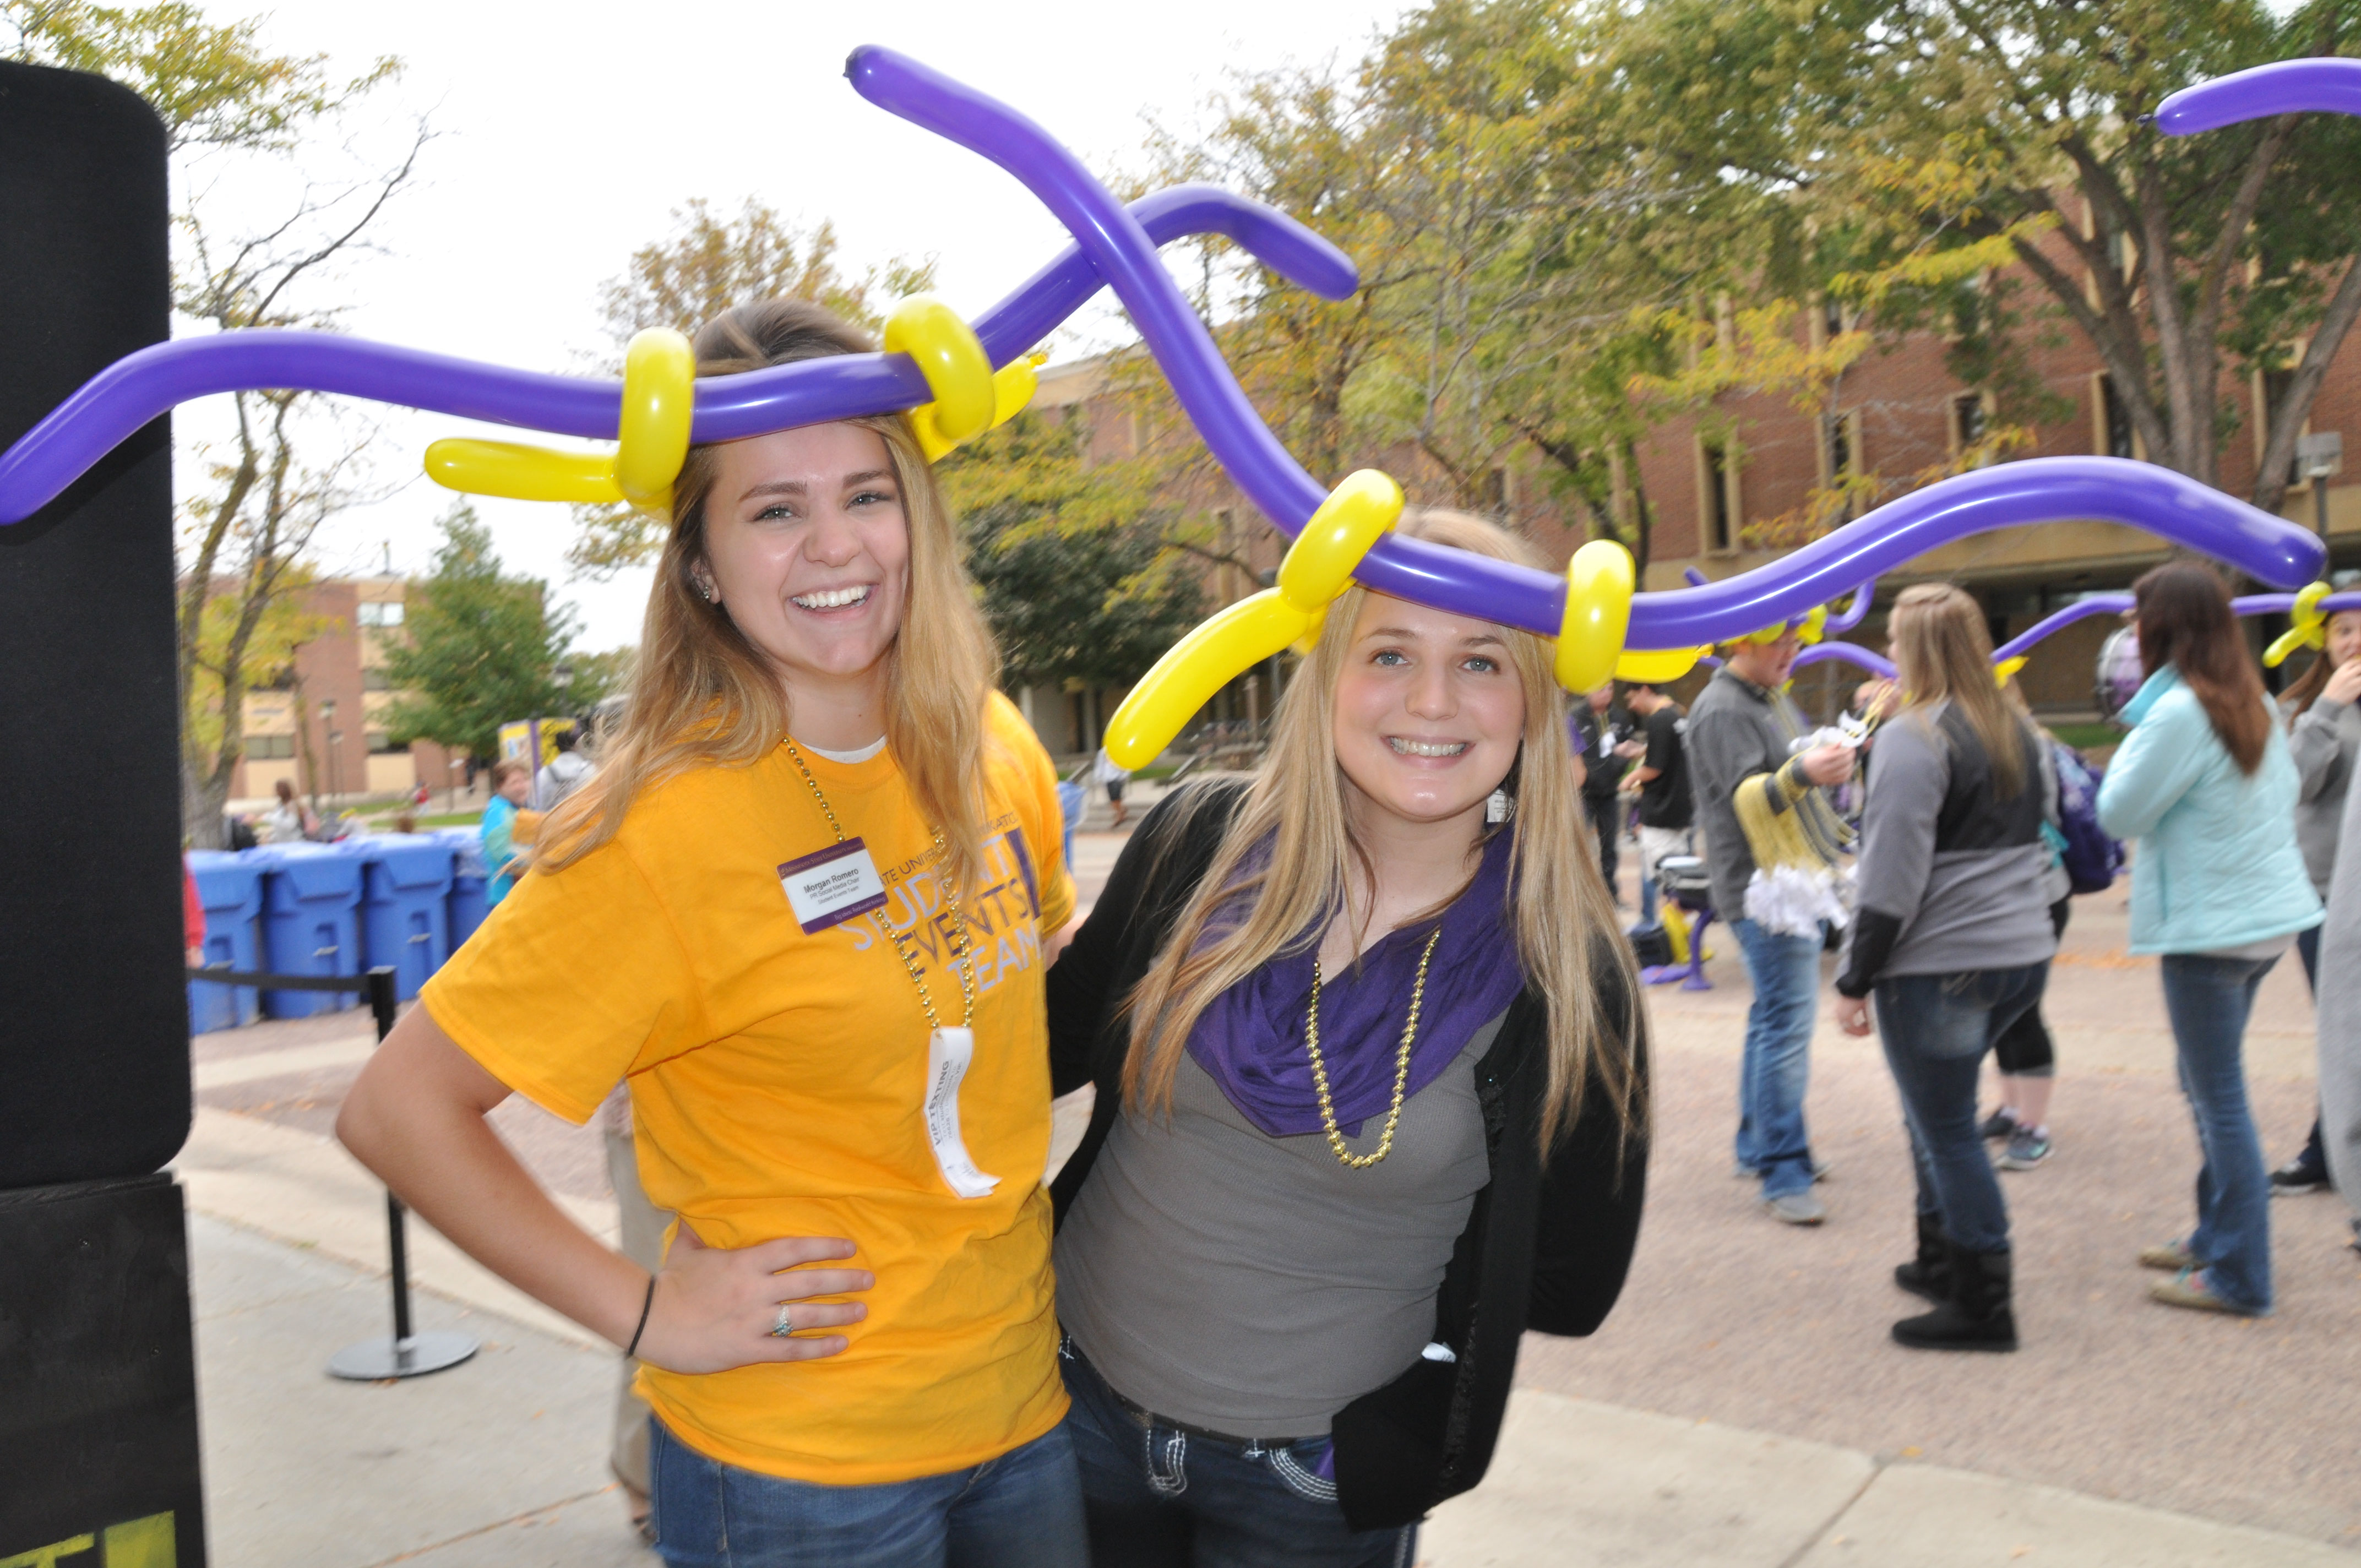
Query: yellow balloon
<point x="2309" y="628"/>
<point x="1013" y="385"/>
<point x="659" y="389"/>
<point x="1655" y="665"/>
<point x="952" y="361"/>
<point x="1357" y="514"/>
<point x="1597" y="613"/>
<point x="522" y="473"/>
<point x="1193" y="669"/>
<point x="2007" y="668"/>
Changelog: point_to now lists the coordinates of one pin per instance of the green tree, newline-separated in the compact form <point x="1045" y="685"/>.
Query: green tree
<point x="221" y="93"/>
<point x="484" y="649"/>
<point x="1921" y="157"/>
<point x="1081" y="576"/>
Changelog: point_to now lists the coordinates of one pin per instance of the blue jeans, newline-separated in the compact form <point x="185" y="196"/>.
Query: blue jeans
<point x="2209" y="999"/>
<point x="1936" y="1029"/>
<point x="1160" y="1497"/>
<point x="1022" y="1509"/>
<point x="1777" y="1065"/>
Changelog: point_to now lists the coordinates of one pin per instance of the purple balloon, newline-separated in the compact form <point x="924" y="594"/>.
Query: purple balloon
<point x="1119" y="245"/>
<point x="2326" y="86"/>
<point x="138" y="387"/>
<point x="2038" y="490"/>
<point x="1853" y="614"/>
<point x="1847" y="653"/>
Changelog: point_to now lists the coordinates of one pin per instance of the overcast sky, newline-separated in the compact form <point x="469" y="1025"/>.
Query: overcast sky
<point x="565" y="135"/>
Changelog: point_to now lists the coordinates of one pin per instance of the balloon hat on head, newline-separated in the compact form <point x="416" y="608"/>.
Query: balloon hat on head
<point x="938" y="364"/>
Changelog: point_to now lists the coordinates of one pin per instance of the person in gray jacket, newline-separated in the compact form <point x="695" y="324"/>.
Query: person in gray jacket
<point x="1952" y="934"/>
<point x="2340" y="1023"/>
<point x="1743" y="738"/>
<point x="2324" y="737"/>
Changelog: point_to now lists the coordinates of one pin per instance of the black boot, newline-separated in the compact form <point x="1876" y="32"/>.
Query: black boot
<point x="1975" y="1315"/>
<point x="1928" y="1274"/>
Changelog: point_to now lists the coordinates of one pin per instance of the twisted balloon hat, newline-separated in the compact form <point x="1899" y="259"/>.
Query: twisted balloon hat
<point x="957" y="379"/>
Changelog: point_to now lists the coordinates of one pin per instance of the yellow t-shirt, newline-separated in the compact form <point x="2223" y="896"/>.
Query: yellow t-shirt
<point x="778" y="1082"/>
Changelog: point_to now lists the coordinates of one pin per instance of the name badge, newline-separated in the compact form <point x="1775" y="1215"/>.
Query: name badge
<point x="832" y="885"/>
<point x="948" y="1052"/>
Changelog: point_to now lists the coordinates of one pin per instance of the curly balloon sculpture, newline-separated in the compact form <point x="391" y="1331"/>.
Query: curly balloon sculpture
<point x="1602" y="625"/>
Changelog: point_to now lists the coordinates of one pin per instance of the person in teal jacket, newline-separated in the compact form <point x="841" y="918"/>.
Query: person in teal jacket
<point x="2206" y="789"/>
<point x="512" y="782"/>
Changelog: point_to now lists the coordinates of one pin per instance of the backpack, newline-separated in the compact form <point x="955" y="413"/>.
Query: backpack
<point x="2091" y="858"/>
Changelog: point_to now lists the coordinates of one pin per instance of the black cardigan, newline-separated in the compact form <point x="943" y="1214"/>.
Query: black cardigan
<point x="1546" y="1248"/>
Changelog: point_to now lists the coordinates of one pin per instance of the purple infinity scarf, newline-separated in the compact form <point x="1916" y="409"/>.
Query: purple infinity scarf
<point x="1251" y="1039"/>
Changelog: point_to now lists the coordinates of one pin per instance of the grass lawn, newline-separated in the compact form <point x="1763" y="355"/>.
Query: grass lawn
<point x="2089" y="737"/>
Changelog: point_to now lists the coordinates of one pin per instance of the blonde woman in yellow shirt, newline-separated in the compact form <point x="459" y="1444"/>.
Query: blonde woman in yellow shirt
<point x="801" y="911"/>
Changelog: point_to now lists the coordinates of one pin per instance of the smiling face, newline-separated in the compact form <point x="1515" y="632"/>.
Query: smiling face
<point x="1429" y="710"/>
<point x="807" y="549"/>
<point x="2343" y="636"/>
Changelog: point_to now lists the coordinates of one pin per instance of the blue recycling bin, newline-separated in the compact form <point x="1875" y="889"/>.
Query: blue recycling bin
<point x="311" y="923"/>
<point x="467" y="906"/>
<point x="405" y="905"/>
<point x="230" y="887"/>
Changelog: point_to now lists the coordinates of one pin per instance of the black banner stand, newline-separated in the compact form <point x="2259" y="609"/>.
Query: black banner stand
<point x="406" y="1354"/>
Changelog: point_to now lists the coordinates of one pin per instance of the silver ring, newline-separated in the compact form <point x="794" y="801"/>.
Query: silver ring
<point x="784" y="1325"/>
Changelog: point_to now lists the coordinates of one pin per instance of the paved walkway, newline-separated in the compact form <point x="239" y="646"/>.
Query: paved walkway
<point x="1741" y="1407"/>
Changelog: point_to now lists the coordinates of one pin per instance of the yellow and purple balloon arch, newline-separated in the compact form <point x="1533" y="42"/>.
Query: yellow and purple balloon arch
<point x="957" y="378"/>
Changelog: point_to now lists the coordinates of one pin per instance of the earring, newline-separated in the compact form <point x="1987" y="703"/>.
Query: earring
<point x="706" y="588"/>
<point x="1499" y="808"/>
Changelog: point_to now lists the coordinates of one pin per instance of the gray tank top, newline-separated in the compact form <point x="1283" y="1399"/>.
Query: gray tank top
<point x="1253" y="1285"/>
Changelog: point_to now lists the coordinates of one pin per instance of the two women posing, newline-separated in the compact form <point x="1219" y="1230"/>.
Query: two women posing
<point x="1371" y="1086"/>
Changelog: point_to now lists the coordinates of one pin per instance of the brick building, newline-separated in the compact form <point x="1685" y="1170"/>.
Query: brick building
<point x="1899" y="412"/>
<point x="322" y="726"/>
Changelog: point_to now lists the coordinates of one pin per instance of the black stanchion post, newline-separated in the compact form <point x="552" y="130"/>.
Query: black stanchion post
<point x="406" y="1355"/>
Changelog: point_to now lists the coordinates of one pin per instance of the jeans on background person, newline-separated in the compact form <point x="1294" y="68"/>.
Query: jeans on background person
<point x="1936" y="1029"/>
<point x="1022" y="1509"/>
<point x="2209" y="1000"/>
<point x="1776" y="1069"/>
<point x="1159" y="1497"/>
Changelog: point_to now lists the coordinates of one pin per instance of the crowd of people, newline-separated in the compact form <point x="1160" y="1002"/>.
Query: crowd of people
<point x="1954" y="808"/>
<point x="1371" y="1071"/>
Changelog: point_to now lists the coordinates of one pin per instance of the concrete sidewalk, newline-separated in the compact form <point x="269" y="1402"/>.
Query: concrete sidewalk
<point x="502" y="1461"/>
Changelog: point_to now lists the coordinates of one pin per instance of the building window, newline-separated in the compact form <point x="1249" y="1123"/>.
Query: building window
<point x="270" y="748"/>
<point x="373" y="679"/>
<point x="380" y="746"/>
<point x="1843" y="437"/>
<point x="2116" y="437"/>
<point x="2271" y="388"/>
<point x="1717" y="486"/>
<point x="377" y="612"/>
<point x="1496" y="493"/>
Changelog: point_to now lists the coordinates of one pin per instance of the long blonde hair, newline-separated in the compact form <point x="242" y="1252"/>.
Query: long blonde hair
<point x="1943" y="651"/>
<point x="702" y="697"/>
<point x="1316" y="869"/>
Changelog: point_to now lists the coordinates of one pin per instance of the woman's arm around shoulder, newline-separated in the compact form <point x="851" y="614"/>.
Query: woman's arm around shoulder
<point x="1595" y="1180"/>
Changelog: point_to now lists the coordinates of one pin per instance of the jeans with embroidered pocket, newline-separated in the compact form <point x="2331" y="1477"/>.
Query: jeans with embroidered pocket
<point x="1157" y="1495"/>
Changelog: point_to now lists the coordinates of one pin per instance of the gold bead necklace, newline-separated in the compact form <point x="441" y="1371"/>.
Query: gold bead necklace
<point x="1401" y="1065"/>
<point x="960" y="951"/>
